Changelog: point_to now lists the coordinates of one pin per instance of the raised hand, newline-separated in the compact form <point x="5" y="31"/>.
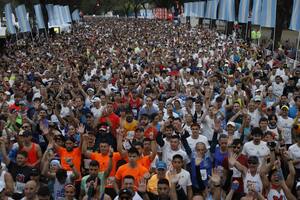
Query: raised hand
<point x="173" y="176"/>
<point x="80" y="129"/>
<point x="111" y="151"/>
<point x="217" y="126"/>
<point x="44" y="128"/>
<point x="232" y="159"/>
<point x="215" y="177"/>
<point x="142" y="185"/>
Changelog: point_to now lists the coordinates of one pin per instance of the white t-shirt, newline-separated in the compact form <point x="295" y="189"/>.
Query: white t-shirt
<point x="208" y="127"/>
<point x="255" y="117"/>
<point x="277" y="89"/>
<point x="192" y="142"/>
<point x="256" y="180"/>
<point x="135" y="197"/>
<point x="294" y="152"/>
<point x="286" y="125"/>
<point x="184" y="179"/>
<point x="261" y="150"/>
<point x="97" y="112"/>
<point x="167" y="156"/>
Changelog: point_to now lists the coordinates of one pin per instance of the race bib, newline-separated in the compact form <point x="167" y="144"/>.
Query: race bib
<point x="19" y="187"/>
<point x="203" y="173"/>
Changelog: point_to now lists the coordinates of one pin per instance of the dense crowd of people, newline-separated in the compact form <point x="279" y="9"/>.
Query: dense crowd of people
<point x="143" y="109"/>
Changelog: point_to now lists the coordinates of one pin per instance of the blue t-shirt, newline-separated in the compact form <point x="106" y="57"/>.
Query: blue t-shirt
<point x="219" y="157"/>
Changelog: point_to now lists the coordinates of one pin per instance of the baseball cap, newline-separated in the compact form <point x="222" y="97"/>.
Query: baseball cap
<point x="231" y="124"/>
<point x="91" y="89"/>
<point x="161" y="165"/>
<point x="284" y="107"/>
<point x="257" y="98"/>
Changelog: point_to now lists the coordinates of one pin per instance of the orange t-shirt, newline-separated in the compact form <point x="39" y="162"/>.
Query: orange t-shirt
<point x="75" y="155"/>
<point x="137" y="172"/>
<point x="104" y="160"/>
<point x="32" y="154"/>
<point x="145" y="161"/>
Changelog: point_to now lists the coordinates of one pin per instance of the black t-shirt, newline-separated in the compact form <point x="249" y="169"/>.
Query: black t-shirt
<point x="20" y="174"/>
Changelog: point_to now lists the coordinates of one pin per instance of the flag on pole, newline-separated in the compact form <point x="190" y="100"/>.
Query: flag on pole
<point x="268" y="13"/>
<point x="22" y="19"/>
<point x="295" y="19"/>
<point x="187" y="9"/>
<point x="62" y="14"/>
<point x="57" y="18"/>
<point x="194" y="9"/>
<point x="201" y="9"/>
<point x="230" y="11"/>
<point x="211" y="9"/>
<point x="222" y="10"/>
<point x="50" y="12"/>
<point x="39" y="16"/>
<point x="9" y="22"/>
<point x="227" y="10"/>
<point x="208" y="9"/>
<point x="244" y="11"/>
<point x="256" y="12"/>
<point x="67" y="10"/>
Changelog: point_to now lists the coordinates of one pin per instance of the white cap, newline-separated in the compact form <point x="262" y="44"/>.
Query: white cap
<point x="231" y="124"/>
<point x="96" y="99"/>
<point x="257" y="98"/>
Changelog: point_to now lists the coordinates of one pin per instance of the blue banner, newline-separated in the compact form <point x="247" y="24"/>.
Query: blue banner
<point x="211" y="9"/>
<point x="39" y="16"/>
<point x="256" y="12"/>
<point x="67" y="10"/>
<point x="244" y="11"/>
<point x="295" y="19"/>
<point x="268" y="13"/>
<point x="8" y="15"/>
<point x="22" y="19"/>
<point x="50" y="12"/>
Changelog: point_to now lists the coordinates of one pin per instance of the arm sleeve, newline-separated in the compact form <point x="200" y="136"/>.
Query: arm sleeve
<point x="214" y="142"/>
<point x="159" y="139"/>
<point x="186" y="146"/>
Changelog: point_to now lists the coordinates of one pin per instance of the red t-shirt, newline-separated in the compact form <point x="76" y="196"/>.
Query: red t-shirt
<point x="113" y="120"/>
<point x="237" y="175"/>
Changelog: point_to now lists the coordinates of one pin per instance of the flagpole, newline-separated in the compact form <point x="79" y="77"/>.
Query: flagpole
<point x="274" y="38"/>
<point x="246" y="34"/>
<point x="298" y="43"/>
<point x="258" y="39"/>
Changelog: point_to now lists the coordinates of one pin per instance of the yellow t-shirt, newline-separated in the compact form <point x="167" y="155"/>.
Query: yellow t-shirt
<point x="152" y="184"/>
<point x="130" y="126"/>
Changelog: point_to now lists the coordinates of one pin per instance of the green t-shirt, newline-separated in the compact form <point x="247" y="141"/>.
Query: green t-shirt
<point x="102" y="185"/>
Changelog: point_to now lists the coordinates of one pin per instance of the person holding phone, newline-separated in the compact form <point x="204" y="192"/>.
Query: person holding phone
<point x="275" y="184"/>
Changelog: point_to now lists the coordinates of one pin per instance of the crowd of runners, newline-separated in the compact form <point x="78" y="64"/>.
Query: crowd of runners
<point x="143" y="109"/>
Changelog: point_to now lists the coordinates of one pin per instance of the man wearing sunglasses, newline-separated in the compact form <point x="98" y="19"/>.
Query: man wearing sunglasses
<point x="233" y="172"/>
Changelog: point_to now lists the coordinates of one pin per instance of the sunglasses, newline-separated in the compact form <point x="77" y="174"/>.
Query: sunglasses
<point x="236" y="147"/>
<point x="25" y="126"/>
